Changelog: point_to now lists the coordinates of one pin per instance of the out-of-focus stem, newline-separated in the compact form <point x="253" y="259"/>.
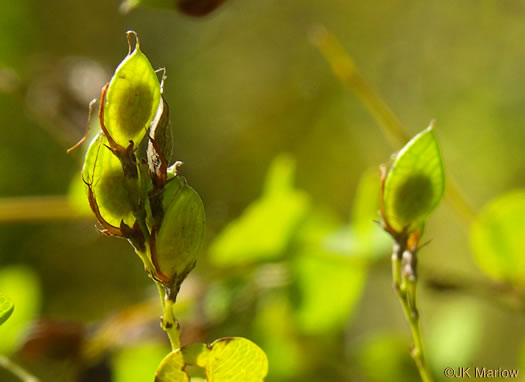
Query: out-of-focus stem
<point x="17" y="370"/>
<point x="346" y="72"/>
<point x="33" y="208"/>
<point x="405" y="288"/>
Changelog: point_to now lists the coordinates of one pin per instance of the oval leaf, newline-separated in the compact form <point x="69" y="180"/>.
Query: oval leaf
<point x="415" y="183"/>
<point x="132" y="99"/>
<point x="6" y="308"/>
<point x="171" y="369"/>
<point x="236" y="359"/>
<point x="497" y="238"/>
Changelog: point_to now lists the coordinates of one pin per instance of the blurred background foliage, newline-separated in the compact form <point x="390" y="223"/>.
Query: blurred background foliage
<point x="285" y="160"/>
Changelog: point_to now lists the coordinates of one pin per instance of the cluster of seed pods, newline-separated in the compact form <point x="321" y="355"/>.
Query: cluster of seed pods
<point x="132" y="182"/>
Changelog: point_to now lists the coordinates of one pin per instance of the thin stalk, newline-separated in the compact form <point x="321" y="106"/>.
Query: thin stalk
<point x="347" y="73"/>
<point x="40" y="208"/>
<point x="169" y="322"/>
<point x="405" y="284"/>
<point x="17" y="370"/>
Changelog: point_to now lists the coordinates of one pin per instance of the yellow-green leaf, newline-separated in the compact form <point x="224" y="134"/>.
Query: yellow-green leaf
<point x="6" y="308"/>
<point x="171" y="369"/>
<point x="497" y="238"/>
<point x="236" y="359"/>
<point x="229" y="359"/>
<point x="415" y="183"/>
<point x="132" y="99"/>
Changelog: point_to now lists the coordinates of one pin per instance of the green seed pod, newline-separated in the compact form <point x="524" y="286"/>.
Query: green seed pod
<point x="132" y="99"/>
<point x="415" y="183"/>
<point x="181" y="234"/>
<point x="106" y="185"/>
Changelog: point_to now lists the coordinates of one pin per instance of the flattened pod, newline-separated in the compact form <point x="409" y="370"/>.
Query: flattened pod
<point x="415" y="183"/>
<point x="181" y="235"/>
<point x="103" y="175"/>
<point x="132" y="99"/>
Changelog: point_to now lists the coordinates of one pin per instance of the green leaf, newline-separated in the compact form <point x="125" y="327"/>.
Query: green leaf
<point x="415" y="183"/>
<point x="329" y="287"/>
<point x="455" y="335"/>
<point x="236" y="359"/>
<point x="22" y="286"/>
<point x="103" y="171"/>
<point x="497" y="238"/>
<point x="136" y="363"/>
<point x="371" y="241"/>
<point x="132" y="99"/>
<point x="171" y="368"/>
<point x="225" y="360"/>
<point x="6" y="308"/>
<point x="283" y="346"/>
<point x="384" y="357"/>
<point x="264" y="230"/>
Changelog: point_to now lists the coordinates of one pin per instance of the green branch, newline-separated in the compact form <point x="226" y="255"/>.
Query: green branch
<point x="17" y="370"/>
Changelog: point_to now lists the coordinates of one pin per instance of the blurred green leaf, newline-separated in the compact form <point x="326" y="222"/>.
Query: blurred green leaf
<point x="6" y="308"/>
<point x="21" y="285"/>
<point x="455" y="335"/>
<point x="347" y="242"/>
<point x="415" y="183"/>
<point x="329" y="286"/>
<point x="275" y="316"/>
<point x="132" y="99"/>
<point x="264" y="230"/>
<point x="371" y="241"/>
<point x="385" y="358"/>
<point x="497" y="238"/>
<point x="137" y="363"/>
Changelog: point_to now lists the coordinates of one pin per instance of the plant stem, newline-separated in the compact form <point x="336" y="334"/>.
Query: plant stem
<point x="169" y="323"/>
<point x="17" y="370"/>
<point x="405" y="283"/>
<point x="346" y="72"/>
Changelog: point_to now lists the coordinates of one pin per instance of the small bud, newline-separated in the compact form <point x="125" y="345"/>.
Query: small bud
<point x="176" y="245"/>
